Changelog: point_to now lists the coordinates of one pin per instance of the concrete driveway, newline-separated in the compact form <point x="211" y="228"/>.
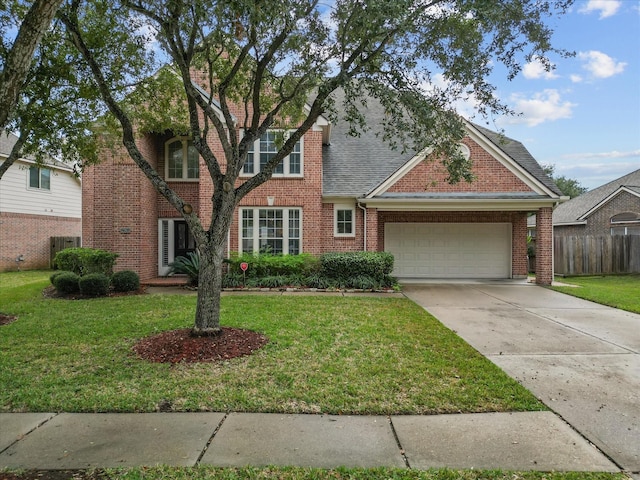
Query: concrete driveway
<point x="580" y="358"/>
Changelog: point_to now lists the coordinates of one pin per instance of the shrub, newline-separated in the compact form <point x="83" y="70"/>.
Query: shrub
<point x="317" y="280"/>
<point x="232" y="280"/>
<point x="273" y="281"/>
<point x="125" y="281"/>
<point x="342" y="266"/>
<point x="82" y="261"/>
<point x="266" y="265"/>
<point x="189" y="265"/>
<point x="55" y="275"/>
<point x="66" y="282"/>
<point x="94" y="284"/>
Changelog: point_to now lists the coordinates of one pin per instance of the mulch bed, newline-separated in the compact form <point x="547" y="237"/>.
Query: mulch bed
<point x="180" y="346"/>
<point x="6" y="319"/>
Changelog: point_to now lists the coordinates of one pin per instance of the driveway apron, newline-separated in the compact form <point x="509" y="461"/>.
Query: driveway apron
<point x="580" y="358"/>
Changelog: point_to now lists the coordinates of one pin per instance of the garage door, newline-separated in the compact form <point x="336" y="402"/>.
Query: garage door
<point x="449" y="250"/>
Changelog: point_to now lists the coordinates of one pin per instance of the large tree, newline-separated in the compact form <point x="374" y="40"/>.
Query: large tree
<point x="44" y="98"/>
<point x="281" y="63"/>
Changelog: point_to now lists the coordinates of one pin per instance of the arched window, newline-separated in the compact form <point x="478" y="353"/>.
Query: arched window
<point x="181" y="160"/>
<point x="626" y="217"/>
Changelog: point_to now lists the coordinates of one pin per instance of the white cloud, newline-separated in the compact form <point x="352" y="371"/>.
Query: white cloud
<point x="607" y="8"/>
<point x="575" y="78"/>
<point x="611" y="154"/>
<point x="600" y="64"/>
<point x="545" y="106"/>
<point x="535" y="69"/>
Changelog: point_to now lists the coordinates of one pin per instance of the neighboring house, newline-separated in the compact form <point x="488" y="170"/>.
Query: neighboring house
<point x="36" y="203"/>
<point x="612" y="209"/>
<point x="336" y="193"/>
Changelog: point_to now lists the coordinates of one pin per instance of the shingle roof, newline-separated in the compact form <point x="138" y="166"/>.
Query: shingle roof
<point x="571" y="211"/>
<point x="8" y="140"/>
<point x="353" y="166"/>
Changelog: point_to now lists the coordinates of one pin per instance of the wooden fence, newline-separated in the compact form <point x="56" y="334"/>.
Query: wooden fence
<point x="602" y="254"/>
<point x="60" y="243"/>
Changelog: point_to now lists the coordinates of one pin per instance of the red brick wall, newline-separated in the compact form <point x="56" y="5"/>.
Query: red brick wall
<point x="491" y="176"/>
<point x="544" y="246"/>
<point x="518" y="222"/>
<point x="29" y="235"/>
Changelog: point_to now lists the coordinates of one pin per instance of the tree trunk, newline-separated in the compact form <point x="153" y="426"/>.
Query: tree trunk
<point x="209" y="288"/>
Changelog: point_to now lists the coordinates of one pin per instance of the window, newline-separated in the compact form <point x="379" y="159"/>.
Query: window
<point x="264" y="149"/>
<point x="182" y="160"/>
<point x="344" y="221"/>
<point x="40" y="178"/>
<point x="270" y="230"/>
<point x="633" y="230"/>
<point x="626" y="217"/>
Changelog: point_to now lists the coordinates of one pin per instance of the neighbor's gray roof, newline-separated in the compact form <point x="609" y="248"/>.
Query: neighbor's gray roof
<point x="353" y="166"/>
<point x="571" y="211"/>
<point x="8" y="140"/>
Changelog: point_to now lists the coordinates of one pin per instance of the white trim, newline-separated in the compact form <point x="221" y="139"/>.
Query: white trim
<point x="256" y="226"/>
<point x="185" y="160"/>
<point x="346" y="207"/>
<point x="163" y="270"/>
<point x="607" y="199"/>
<point x="399" y="173"/>
<point x="285" y="161"/>
<point x="532" y="182"/>
<point x="457" y="204"/>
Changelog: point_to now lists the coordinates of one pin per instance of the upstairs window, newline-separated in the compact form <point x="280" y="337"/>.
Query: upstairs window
<point x="182" y="160"/>
<point x="264" y="149"/>
<point x="40" y="178"/>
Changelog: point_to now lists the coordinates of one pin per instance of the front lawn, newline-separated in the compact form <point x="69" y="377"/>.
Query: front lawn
<point x="326" y="354"/>
<point x="621" y="291"/>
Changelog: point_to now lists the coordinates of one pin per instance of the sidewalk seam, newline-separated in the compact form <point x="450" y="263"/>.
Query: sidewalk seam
<point x="395" y="435"/>
<point x="32" y="430"/>
<point x="206" y="447"/>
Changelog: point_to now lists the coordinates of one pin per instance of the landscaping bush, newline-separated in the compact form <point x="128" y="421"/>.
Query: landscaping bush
<point x="266" y="265"/>
<point x="189" y="265"/>
<point x="94" y="284"/>
<point x="342" y="266"/>
<point x="233" y="280"/>
<point x="125" y="281"/>
<point x="66" y="282"/>
<point x="56" y="274"/>
<point x="317" y="280"/>
<point x="83" y="261"/>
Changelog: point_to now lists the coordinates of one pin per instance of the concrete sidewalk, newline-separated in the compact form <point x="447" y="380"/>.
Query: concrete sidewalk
<point x="580" y="358"/>
<point x="510" y="441"/>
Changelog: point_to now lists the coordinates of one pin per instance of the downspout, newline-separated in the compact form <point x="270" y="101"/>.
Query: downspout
<point x="364" y="229"/>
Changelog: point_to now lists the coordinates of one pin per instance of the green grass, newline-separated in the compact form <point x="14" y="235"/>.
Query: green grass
<point x="326" y="354"/>
<point x="616" y="291"/>
<point x="296" y="473"/>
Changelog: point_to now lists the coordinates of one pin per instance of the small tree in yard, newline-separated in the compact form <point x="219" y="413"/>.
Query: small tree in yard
<point x="280" y="64"/>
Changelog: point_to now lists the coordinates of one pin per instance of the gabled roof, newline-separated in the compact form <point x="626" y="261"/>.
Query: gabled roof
<point x="8" y="140"/>
<point x="360" y="166"/>
<point x="577" y="209"/>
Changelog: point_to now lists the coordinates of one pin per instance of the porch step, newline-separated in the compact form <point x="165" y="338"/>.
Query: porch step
<point x="177" y="281"/>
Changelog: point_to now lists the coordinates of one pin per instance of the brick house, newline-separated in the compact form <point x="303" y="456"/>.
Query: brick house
<point x="336" y="193"/>
<point x="611" y="209"/>
<point x="36" y="203"/>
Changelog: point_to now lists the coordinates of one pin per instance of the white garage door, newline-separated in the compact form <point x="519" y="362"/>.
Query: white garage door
<point x="449" y="250"/>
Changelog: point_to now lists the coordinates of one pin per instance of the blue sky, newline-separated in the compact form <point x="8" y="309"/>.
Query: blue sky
<point x="583" y="117"/>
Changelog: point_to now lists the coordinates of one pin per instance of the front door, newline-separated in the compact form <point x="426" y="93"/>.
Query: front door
<point x="183" y="239"/>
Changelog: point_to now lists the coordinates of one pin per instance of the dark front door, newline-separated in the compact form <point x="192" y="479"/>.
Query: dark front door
<point x="183" y="240"/>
